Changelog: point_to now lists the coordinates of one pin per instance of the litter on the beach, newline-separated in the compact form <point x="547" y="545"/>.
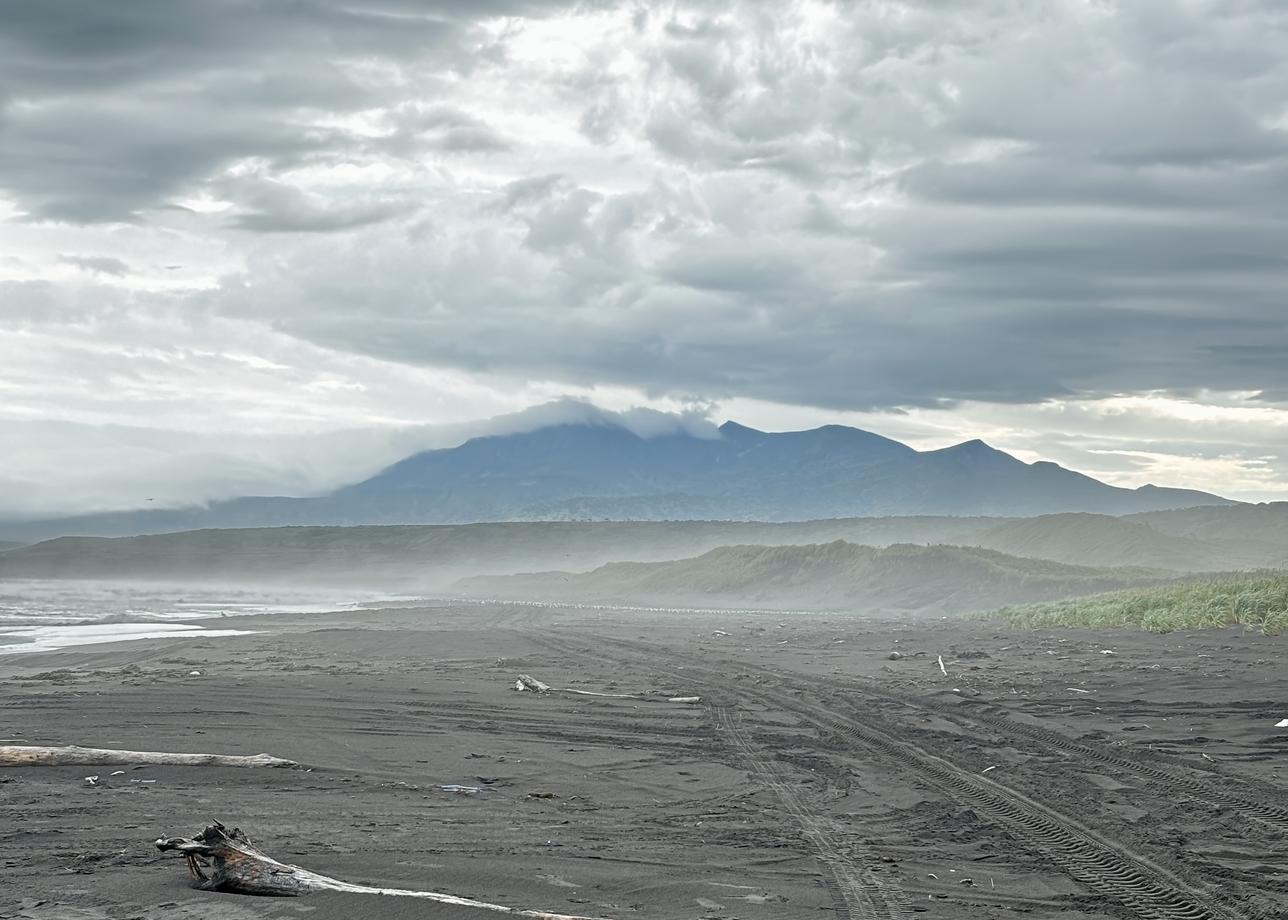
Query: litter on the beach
<point x="91" y="781"/>
<point x="1282" y="723"/>
<point x="459" y="789"/>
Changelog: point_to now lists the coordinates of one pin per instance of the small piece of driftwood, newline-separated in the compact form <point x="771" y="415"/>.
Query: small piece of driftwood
<point x="223" y="860"/>
<point x="526" y="682"/>
<point x="21" y="755"/>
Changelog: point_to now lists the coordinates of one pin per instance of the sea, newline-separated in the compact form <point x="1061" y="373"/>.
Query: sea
<point x="39" y="615"/>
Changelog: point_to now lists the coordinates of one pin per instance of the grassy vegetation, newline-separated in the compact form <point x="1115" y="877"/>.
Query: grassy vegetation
<point x="1258" y="600"/>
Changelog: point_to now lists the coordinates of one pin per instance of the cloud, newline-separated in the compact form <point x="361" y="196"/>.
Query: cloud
<point x="102" y="265"/>
<point x="880" y="208"/>
<point x="274" y="207"/>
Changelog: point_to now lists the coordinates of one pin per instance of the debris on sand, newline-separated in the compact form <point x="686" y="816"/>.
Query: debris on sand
<point x="895" y="656"/>
<point x="526" y="682"/>
<point x="21" y="755"/>
<point x="1282" y="723"/>
<point x="223" y="860"/>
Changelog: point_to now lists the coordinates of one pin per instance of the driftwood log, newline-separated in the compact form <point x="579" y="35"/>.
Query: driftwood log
<point x="223" y="860"/>
<point x="21" y="755"/>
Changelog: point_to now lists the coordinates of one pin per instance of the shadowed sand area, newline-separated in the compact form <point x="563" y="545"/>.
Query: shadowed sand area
<point x="817" y="778"/>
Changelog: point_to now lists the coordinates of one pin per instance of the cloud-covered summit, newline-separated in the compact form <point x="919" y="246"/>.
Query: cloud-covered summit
<point x="876" y="207"/>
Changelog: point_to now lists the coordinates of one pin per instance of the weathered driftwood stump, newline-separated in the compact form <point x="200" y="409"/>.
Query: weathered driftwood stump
<point x="223" y="860"/>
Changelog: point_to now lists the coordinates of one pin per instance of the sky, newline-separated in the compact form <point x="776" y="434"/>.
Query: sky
<point x="253" y="246"/>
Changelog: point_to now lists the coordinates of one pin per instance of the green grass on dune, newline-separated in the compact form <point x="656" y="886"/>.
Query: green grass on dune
<point x="1258" y="600"/>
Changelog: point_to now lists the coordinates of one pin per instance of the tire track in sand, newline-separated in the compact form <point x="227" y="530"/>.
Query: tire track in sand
<point x="1127" y="877"/>
<point x="859" y="888"/>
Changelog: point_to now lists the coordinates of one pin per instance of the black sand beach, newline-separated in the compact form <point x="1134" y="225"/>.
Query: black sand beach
<point x="1049" y="773"/>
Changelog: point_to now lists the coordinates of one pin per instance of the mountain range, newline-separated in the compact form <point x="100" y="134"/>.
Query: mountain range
<point x="598" y="471"/>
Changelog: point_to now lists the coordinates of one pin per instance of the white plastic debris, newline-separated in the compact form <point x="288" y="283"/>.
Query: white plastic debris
<point x="91" y="780"/>
<point x="1282" y="723"/>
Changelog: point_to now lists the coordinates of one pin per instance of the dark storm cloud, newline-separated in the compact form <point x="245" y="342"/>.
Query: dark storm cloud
<point x="110" y="108"/>
<point x="841" y="205"/>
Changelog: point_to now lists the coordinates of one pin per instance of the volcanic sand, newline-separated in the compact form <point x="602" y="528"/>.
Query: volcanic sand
<point x="1048" y="773"/>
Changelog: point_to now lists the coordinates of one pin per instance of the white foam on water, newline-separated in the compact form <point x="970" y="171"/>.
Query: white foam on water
<point x="49" y="638"/>
<point x="44" y="614"/>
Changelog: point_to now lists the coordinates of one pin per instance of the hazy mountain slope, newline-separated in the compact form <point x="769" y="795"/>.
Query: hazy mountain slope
<point x="836" y="575"/>
<point x="1099" y="540"/>
<point x="9" y="544"/>
<point x="602" y="471"/>
<point x="434" y="555"/>
<point x="1265" y="524"/>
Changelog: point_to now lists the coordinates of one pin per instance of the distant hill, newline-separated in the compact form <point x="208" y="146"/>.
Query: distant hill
<point x="1100" y="540"/>
<point x="593" y="471"/>
<point x="9" y="544"/>
<point x="835" y="575"/>
<point x="429" y="557"/>
<point x="432" y="556"/>
<point x="1264" y="525"/>
<point x="1254" y="599"/>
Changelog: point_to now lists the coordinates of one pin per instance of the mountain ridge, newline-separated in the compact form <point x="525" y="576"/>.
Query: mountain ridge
<point x="595" y="470"/>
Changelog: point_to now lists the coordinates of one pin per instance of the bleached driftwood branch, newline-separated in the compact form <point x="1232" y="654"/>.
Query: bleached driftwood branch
<point x="528" y="682"/>
<point x="224" y="860"/>
<point x="22" y="755"/>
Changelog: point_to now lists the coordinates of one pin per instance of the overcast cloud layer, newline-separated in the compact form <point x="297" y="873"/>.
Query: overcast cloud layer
<point x="1058" y="225"/>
